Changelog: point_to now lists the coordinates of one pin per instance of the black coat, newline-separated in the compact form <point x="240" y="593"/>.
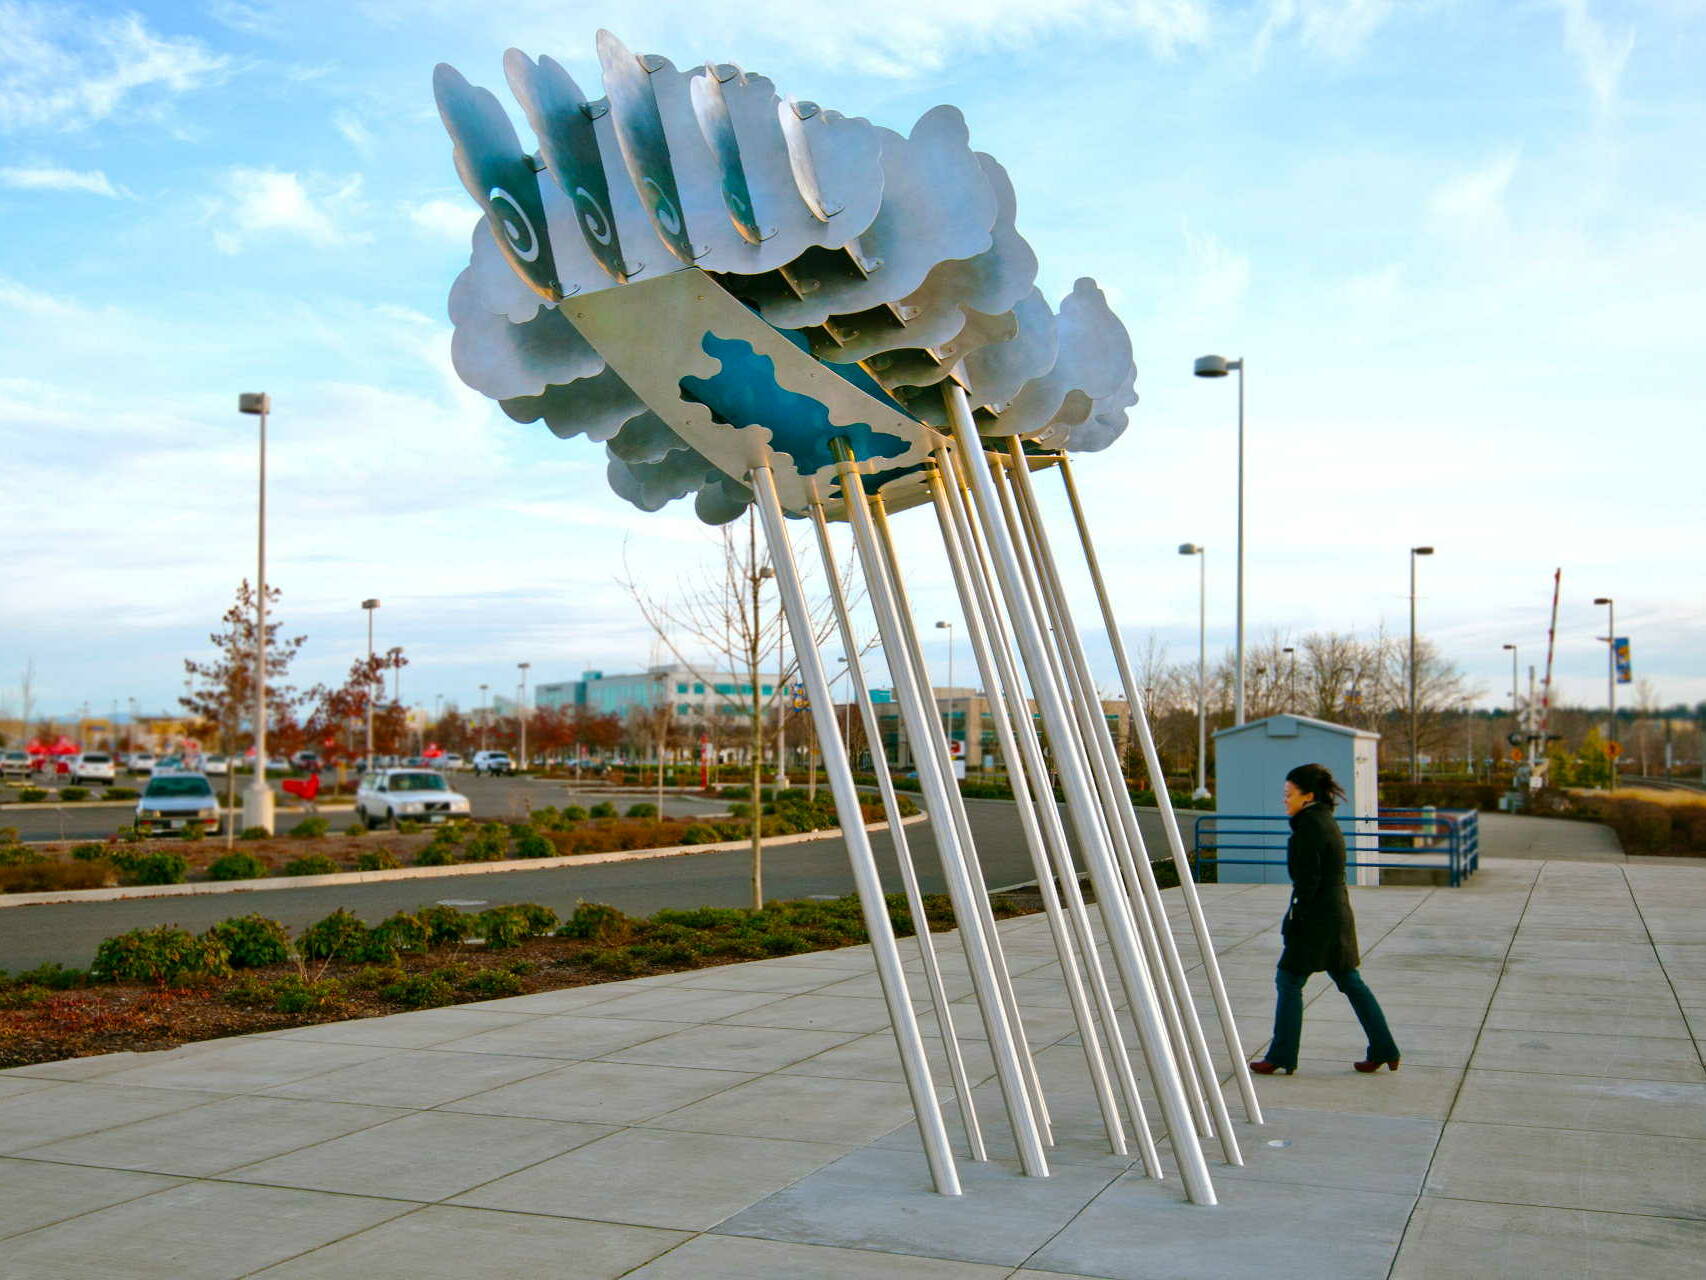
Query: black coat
<point x="1319" y="930"/>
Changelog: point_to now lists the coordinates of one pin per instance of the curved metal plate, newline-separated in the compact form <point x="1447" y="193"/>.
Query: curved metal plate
<point x="712" y="110"/>
<point x="504" y="360"/>
<point x="1095" y="352"/>
<point x="645" y="146"/>
<point x="837" y="162"/>
<point x="568" y="142"/>
<point x="499" y="175"/>
<point x="595" y="407"/>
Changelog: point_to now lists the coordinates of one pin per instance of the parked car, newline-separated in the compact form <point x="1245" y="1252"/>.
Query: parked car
<point x="170" y="764"/>
<point x="140" y="762"/>
<point x="91" y="766"/>
<point x="387" y="796"/>
<point x="177" y="801"/>
<point x="216" y="766"/>
<point x="14" y="763"/>
<point x="493" y="762"/>
<point x="307" y="761"/>
<point x="452" y="760"/>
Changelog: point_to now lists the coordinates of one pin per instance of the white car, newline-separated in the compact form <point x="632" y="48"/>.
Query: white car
<point x="140" y="762"/>
<point x="177" y="801"/>
<point x="452" y="761"/>
<point x="216" y="766"/>
<point x="14" y="762"/>
<point x="493" y="762"/>
<point x="91" y="766"/>
<point x="387" y="796"/>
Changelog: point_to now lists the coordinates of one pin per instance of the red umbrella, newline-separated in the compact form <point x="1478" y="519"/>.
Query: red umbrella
<point x="36" y="747"/>
<point x="433" y="751"/>
<point x="64" y="747"/>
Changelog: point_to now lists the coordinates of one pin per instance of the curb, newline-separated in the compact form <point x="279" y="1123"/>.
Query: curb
<point x="200" y="887"/>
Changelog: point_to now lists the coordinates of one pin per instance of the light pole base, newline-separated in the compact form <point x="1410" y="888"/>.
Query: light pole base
<point x="258" y="806"/>
<point x="1201" y="793"/>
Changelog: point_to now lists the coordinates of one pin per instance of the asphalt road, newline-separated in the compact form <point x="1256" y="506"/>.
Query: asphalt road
<point x="69" y="932"/>
<point x="501" y="798"/>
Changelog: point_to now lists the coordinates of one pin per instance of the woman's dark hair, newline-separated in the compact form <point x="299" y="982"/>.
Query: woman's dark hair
<point x="1315" y="780"/>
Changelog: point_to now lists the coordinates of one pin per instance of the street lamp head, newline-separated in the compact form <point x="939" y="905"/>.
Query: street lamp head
<point x="1602" y="600"/>
<point x="1215" y="366"/>
<point x="1288" y="650"/>
<point x="948" y="625"/>
<point x="524" y="665"/>
<point x="1421" y="551"/>
<point x="370" y="604"/>
<point x="254" y="402"/>
<point x="1190" y="549"/>
<point x="1511" y="647"/>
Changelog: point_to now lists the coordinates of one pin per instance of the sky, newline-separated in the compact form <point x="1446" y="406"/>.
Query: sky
<point x="1460" y="246"/>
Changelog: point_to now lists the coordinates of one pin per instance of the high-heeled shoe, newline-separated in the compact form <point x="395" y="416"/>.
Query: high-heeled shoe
<point x="1266" y="1068"/>
<point x="1374" y="1064"/>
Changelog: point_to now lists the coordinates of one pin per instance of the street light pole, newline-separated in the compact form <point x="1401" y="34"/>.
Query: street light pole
<point x="1610" y="688"/>
<point x="1194" y="549"/>
<point x="521" y="714"/>
<point x="483" y="689"/>
<point x="948" y="715"/>
<point x="373" y="678"/>
<point x="1415" y="754"/>
<point x="1219" y="367"/>
<point x="1291" y="681"/>
<point x="258" y="799"/>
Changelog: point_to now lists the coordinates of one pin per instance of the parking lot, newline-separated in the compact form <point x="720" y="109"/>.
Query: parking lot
<point x="502" y="799"/>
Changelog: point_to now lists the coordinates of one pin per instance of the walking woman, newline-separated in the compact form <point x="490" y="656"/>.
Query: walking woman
<point x="1319" y="930"/>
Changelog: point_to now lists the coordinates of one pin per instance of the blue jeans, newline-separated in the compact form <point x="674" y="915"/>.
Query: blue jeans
<point x="1288" y="1016"/>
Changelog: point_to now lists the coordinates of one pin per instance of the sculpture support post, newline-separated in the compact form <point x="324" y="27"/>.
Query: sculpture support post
<point x="1081" y="804"/>
<point x="902" y="847"/>
<point x="1196" y="1044"/>
<point x="1065" y="953"/>
<point x="875" y="908"/>
<point x="1015" y="1091"/>
<point x="1169" y="819"/>
<point x="1060" y="850"/>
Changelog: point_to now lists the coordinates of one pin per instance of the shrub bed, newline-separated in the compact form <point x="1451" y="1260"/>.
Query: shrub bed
<point x="152" y="988"/>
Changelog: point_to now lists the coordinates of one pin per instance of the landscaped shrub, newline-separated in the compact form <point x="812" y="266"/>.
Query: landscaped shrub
<point x="236" y="865"/>
<point x="616" y="962"/>
<point x="251" y="941"/>
<point x="164" y="867"/>
<point x="195" y="831"/>
<point x="445" y="925"/>
<point x="73" y="794"/>
<point x="408" y="827"/>
<point x="292" y="994"/>
<point x="597" y="922"/>
<point x="435" y="854"/>
<point x="574" y="813"/>
<point x="421" y="990"/>
<point x="493" y="984"/>
<point x="54" y="976"/>
<point x="514" y="923"/>
<point x="90" y="852"/>
<point x="400" y="933"/>
<point x="253" y="833"/>
<point x="122" y="793"/>
<point x="44" y="876"/>
<point x="31" y="795"/>
<point x="310" y="828"/>
<point x="19" y="855"/>
<point x="603" y="809"/>
<point x="488" y="844"/>
<point x="340" y="936"/>
<point x="701" y="833"/>
<point x="163" y="955"/>
<point x="642" y="811"/>
<point x="376" y="860"/>
<point x="311" y="864"/>
<point x="533" y="844"/>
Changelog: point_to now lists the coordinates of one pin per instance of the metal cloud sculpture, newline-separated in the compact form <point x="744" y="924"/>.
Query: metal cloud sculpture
<point x="757" y="302"/>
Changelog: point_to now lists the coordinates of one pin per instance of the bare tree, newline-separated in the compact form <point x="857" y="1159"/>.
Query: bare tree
<point x="730" y="617"/>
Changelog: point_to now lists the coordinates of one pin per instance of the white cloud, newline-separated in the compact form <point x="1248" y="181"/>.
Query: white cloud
<point x="1601" y="55"/>
<point x="447" y="219"/>
<point x="64" y="69"/>
<point x="92" y="181"/>
<point x="269" y="202"/>
<point x="1336" y="28"/>
<point x="355" y="132"/>
<point x="1476" y="200"/>
<point x="1217" y="277"/>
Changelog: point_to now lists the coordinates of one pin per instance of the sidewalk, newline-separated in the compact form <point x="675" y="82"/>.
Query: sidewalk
<point x="749" y="1122"/>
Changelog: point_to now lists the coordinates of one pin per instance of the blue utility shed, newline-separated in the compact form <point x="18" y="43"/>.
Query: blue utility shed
<point x="1250" y="764"/>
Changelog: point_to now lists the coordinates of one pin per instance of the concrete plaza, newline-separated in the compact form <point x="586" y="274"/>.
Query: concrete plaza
<point x="749" y="1122"/>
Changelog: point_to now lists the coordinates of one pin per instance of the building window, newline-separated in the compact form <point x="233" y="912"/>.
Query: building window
<point x="725" y="689"/>
<point x="681" y="688"/>
<point x="685" y="709"/>
<point x="765" y="690"/>
<point x="698" y="688"/>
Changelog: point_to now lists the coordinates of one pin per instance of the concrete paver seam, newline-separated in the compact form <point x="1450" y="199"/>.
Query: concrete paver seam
<point x="1670" y="984"/>
<point x="1457" y="1093"/>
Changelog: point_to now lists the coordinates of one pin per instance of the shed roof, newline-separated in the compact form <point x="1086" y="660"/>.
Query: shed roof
<point x="1289" y="726"/>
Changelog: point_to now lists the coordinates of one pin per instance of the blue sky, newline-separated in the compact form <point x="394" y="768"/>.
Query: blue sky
<point x="1462" y="247"/>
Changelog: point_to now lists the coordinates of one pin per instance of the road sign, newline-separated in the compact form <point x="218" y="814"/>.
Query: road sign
<point x="1612" y="750"/>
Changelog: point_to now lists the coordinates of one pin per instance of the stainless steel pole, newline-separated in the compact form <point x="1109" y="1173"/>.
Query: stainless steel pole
<point x="260" y="808"/>
<point x="1081" y="804"/>
<point x="1035" y="765"/>
<point x="902" y="848"/>
<point x="1065" y="953"/>
<point x="1611" y="694"/>
<point x="1415" y="757"/>
<point x="1169" y="818"/>
<point x="1202" y="654"/>
<point x="921" y="724"/>
<point x="892" y="977"/>
<point x="1238" y="690"/>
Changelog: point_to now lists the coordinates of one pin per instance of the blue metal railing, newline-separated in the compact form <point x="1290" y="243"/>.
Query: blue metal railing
<point x="1369" y="842"/>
